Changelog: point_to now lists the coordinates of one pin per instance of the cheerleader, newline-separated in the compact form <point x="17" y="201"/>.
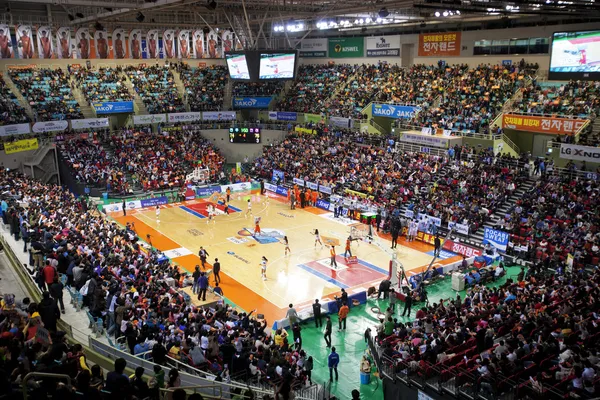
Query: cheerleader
<point x="211" y="212"/>
<point x="249" y="211"/>
<point x="412" y="230"/>
<point x="157" y="213"/>
<point x="263" y="268"/>
<point x="317" y="238"/>
<point x="287" y="245"/>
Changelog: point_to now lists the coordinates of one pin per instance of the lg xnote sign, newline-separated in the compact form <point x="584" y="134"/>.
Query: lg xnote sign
<point x="277" y="66"/>
<point x="575" y="55"/>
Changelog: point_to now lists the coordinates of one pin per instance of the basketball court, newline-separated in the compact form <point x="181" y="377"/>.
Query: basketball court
<point x="300" y="277"/>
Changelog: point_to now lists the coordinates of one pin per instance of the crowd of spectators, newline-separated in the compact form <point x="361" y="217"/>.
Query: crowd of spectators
<point x="11" y="111"/>
<point x="204" y="87"/>
<point x="540" y="329"/>
<point x="143" y="160"/>
<point x="156" y="86"/>
<point x="136" y="292"/>
<point x="253" y="89"/>
<point x="48" y="92"/>
<point x="106" y="84"/>
<point x="577" y="98"/>
<point x="313" y="87"/>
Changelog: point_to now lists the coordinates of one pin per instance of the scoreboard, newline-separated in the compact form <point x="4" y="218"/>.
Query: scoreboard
<point x="244" y="135"/>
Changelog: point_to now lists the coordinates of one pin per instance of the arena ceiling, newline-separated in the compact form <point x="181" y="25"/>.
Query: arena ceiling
<point x="252" y="19"/>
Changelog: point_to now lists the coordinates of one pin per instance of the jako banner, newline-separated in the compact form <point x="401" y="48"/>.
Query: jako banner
<point x="251" y="102"/>
<point x="392" y="111"/>
<point x="496" y="238"/>
<point x="113" y="107"/>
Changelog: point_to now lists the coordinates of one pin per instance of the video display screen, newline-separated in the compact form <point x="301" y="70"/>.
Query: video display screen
<point x="277" y="66"/>
<point x="238" y="66"/>
<point x="575" y="55"/>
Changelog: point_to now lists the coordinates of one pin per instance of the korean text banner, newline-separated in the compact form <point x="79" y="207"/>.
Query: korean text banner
<point x="50" y="126"/>
<point x="496" y="238"/>
<point x="391" y="111"/>
<point x="20" y="145"/>
<point x="383" y="46"/>
<point x="150" y="119"/>
<point x="185" y="116"/>
<point x="549" y="125"/>
<point x="580" y="153"/>
<point x="113" y="107"/>
<point x="17" y="129"/>
<point x="219" y="116"/>
<point x="346" y="47"/>
<point x="251" y="102"/>
<point x="88" y="123"/>
<point x="313" y="48"/>
<point x="439" y="44"/>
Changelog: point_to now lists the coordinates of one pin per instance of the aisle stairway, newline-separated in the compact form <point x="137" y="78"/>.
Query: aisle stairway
<point x="180" y="88"/>
<point x="22" y="102"/>
<point x="227" y="93"/>
<point x="140" y="108"/>
<point x="86" y="109"/>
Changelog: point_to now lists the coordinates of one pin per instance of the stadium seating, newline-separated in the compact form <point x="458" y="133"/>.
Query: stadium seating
<point x="48" y="92"/>
<point x="11" y="111"/>
<point x="579" y="98"/>
<point x="204" y="87"/>
<point x="156" y="86"/>
<point x="252" y="89"/>
<point x="106" y="84"/>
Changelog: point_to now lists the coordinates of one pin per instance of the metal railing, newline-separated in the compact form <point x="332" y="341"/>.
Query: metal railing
<point x="44" y="375"/>
<point x="377" y="126"/>
<point x="511" y="144"/>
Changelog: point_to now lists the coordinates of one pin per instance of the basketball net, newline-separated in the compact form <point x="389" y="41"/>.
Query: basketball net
<point x="198" y="175"/>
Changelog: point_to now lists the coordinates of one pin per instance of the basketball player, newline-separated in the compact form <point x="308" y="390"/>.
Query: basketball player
<point x="333" y="263"/>
<point x="249" y="211"/>
<point x="228" y="193"/>
<point x="412" y="230"/>
<point x="286" y="243"/>
<point x="348" y="250"/>
<point x="157" y="213"/>
<point x="210" y="212"/>
<point x="226" y="209"/>
<point x="256" y="226"/>
<point x="317" y="238"/>
<point x="263" y="268"/>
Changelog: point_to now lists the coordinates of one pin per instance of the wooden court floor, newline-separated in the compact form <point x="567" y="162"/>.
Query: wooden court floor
<point x="299" y="278"/>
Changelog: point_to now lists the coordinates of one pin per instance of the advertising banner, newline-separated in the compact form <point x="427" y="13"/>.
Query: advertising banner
<point x="496" y="238"/>
<point x="20" y="145"/>
<point x="549" y="125"/>
<point x="282" y="191"/>
<point x="16" y="129"/>
<point x="283" y="115"/>
<point x="346" y="47"/>
<point x="50" y="126"/>
<point x="184" y="44"/>
<point x="323" y="204"/>
<point x="298" y="181"/>
<point x="392" y="111"/>
<point x="434" y="141"/>
<point x="325" y="189"/>
<point x="6" y="45"/>
<point x="341" y="122"/>
<point x="119" y="44"/>
<point x="278" y="176"/>
<point x="383" y="46"/>
<point x="219" y="115"/>
<point x="316" y="118"/>
<point x="198" y="43"/>
<point x="439" y="44"/>
<point x="212" y="45"/>
<point x="89" y="123"/>
<point x="237" y="187"/>
<point x="152" y="48"/>
<point x="169" y="43"/>
<point x="149" y="119"/>
<point x="102" y="45"/>
<point x="252" y="102"/>
<point x="312" y="185"/>
<point x="580" y="153"/>
<point x="311" y="48"/>
<point x="270" y="187"/>
<point x="25" y="47"/>
<point x="460" y="228"/>
<point x="207" y="191"/>
<point x="82" y="42"/>
<point x="185" y="116"/>
<point x="135" y="44"/>
<point x="155" y="201"/>
<point x="44" y="42"/>
<point x="113" y="107"/>
<point x="461" y="249"/>
<point x="307" y="131"/>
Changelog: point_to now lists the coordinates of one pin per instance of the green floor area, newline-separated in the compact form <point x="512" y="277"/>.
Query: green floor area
<point x="351" y="345"/>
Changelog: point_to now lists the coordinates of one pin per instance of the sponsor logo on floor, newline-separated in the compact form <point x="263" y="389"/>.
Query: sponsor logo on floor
<point x="444" y="254"/>
<point x="266" y="236"/>
<point x="341" y="220"/>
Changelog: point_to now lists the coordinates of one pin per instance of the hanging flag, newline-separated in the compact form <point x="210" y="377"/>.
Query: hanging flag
<point x="184" y="44"/>
<point x="119" y="43"/>
<point x="44" y="42"/>
<point x="25" y="47"/>
<point x="169" y="43"/>
<point x="63" y="40"/>
<point x="152" y="47"/>
<point x="102" y="46"/>
<point x="82" y="37"/>
<point x="198" y="43"/>
<point x="6" y="50"/>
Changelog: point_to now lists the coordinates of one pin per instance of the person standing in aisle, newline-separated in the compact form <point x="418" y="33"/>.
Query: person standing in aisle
<point x="407" y="304"/>
<point x="56" y="291"/>
<point x="195" y="277"/>
<point x="124" y="208"/>
<point x="317" y="313"/>
<point x="327" y="334"/>
<point x="216" y="269"/>
<point x="343" y="315"/>
<point x="202" y="286"/>
<point x="292" y="315"/>
<point x="333" y="362"/>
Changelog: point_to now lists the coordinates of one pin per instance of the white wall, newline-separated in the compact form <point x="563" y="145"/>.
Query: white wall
<point x="235" y="152"/>
<point x="14" y="160"/>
